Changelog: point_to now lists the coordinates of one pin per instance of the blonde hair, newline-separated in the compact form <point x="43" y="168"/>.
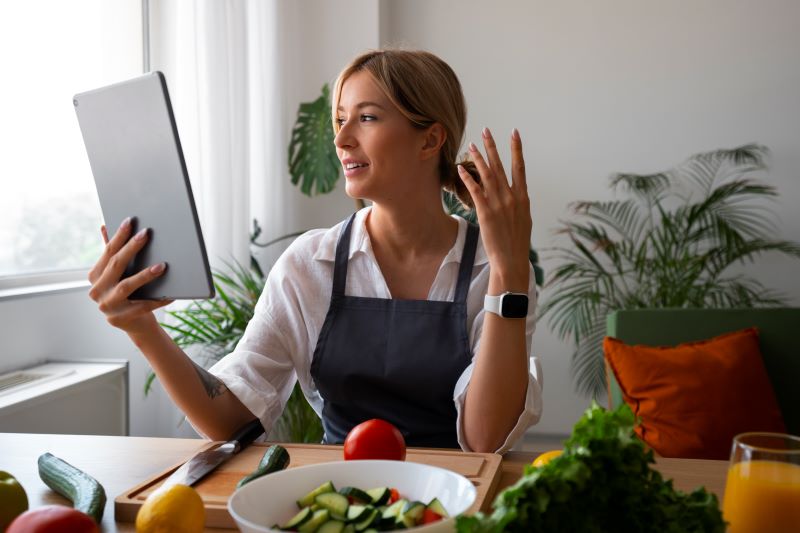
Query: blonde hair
<point x="426" y="91"/>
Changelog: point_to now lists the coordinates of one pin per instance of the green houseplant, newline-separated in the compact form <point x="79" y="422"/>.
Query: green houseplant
<point x="671" y="242"/>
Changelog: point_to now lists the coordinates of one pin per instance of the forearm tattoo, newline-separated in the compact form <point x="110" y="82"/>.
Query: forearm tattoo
<point x="213" y="385"/>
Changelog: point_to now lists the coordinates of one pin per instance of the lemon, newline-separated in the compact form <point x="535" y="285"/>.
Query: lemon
<point x="177" y="509"/>
<point x="546" y="457"/>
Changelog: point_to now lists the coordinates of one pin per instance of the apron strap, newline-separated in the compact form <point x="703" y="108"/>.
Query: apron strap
<point x="467" y="262"/>
<point x="342" y="253"/>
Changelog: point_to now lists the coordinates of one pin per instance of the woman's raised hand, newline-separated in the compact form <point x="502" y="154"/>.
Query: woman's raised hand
<point x="504" y="213"/>
<point x="111" y="293"/>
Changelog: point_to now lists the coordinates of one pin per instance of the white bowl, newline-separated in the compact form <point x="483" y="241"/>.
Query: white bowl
<point x="272" y="499"/>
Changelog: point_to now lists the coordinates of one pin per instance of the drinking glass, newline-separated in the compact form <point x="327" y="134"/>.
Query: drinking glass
<point x="762" y="493"/>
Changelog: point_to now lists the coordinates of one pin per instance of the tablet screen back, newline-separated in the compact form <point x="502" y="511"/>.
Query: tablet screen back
<point x="136" y="158"/>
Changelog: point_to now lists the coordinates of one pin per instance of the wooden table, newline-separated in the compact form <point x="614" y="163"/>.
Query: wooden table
<point x="120" y="463"/>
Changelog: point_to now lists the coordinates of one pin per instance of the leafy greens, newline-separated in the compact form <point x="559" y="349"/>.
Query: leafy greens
<point x="603" y="482"/>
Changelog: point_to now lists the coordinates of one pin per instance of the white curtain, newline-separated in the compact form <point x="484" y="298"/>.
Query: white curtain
<point x="220" y="58"/>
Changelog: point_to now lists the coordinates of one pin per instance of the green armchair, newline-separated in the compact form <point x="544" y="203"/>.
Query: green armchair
<point x="779" y="337"/>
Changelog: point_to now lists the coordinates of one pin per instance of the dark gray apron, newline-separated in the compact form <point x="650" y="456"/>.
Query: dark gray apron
<point x="398" y="360"/>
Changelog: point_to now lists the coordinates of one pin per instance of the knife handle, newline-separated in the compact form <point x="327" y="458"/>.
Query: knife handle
<point x="247" y="434"/>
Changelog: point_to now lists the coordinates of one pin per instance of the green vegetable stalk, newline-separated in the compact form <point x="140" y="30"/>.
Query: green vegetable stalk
<point x="603" y="482"/>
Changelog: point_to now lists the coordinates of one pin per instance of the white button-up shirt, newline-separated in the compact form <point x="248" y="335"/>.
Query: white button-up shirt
<point x="278" y="345"/>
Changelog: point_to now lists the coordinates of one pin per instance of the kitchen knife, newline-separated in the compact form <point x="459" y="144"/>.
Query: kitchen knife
<point x="204" y="462"/>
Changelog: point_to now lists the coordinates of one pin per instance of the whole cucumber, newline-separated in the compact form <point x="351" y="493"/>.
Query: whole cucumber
<point x="86" y="494"/>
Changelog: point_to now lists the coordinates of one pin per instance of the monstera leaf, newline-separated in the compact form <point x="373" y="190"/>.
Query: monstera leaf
<point x="312" y="155"/>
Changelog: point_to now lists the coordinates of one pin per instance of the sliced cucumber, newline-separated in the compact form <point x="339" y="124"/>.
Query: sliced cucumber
<point x="319" y="518"/>
<point x="356" y="512"/>
<point x="380" y="495"/>
<point x="334" y="502"/>
<point x="356" y="494"/>
<point x="411" y="514"/>
<point x="436" y="506"/>
<point x="348" y="528"/>
<point x="331" y="526"/>
<point x="308" y="499"/>
<point x="367" y="521"/>
<point x="299" y="519"/>
<point x="86" y="494"/>
<point x="395" y="509"/>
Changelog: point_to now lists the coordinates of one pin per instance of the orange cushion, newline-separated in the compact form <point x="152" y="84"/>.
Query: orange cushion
<point x="692" y="399"/>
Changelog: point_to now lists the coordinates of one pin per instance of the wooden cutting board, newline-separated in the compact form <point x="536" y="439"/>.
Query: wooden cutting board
<point x="215" y="489"/>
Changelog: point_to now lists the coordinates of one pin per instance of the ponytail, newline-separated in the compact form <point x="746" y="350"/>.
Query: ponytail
<point x="452" y="182"/>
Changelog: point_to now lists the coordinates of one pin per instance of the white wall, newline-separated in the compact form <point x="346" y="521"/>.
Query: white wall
<point x="622" y="85"/>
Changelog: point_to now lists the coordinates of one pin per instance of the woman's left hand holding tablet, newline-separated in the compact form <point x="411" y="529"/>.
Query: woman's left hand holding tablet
<point x="503" y="213"/>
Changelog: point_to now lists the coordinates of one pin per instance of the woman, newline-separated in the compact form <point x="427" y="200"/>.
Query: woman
<point x="401" y="312"/>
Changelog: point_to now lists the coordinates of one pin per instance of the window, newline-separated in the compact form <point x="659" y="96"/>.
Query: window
<point x="49" y="212"/>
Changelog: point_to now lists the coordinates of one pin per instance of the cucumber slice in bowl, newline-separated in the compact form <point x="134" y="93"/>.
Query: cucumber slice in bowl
<point x="308" y="499"/>
<point x="357" y="494"/>
<point x="319" y="518"/>
<point x="436" y="506"/>
<point x="380" y="495"/>
<point x="356" y="513"/>
<point x="331" y="526"/>
<point x="411" y="514"/>
<point x="299" y="519"/>
<point x="365" y="522"/>
<point x="334" y="502"/>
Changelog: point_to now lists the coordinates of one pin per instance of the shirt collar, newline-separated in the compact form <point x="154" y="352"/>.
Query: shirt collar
<point x="360" y="243"/>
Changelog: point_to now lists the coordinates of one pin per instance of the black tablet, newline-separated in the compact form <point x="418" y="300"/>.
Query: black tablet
<point x="136" y="158"/>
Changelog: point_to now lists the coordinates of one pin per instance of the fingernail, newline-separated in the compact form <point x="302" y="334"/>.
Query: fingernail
<point x="460" y="168"/>
<point x="515" y="134"/>
<point x="158" y="269"/>
<point x="472" y="147"/>
<point x="486" y="133"/>
<point x="141" y="235"/>
<point x="125" y="223"/>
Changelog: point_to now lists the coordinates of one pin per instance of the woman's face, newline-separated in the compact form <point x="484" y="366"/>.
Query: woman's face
<point x="379" y="148"/>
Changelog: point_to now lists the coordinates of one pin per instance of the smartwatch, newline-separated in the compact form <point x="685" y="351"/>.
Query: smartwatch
<point x="507" y="305"/>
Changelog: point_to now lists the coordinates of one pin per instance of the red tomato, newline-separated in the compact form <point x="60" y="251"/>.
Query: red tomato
<point x="375" y="439"/>
<point x="53" y="519"/>
<point x="429" y="516"/>
<point x="394" y="496"/>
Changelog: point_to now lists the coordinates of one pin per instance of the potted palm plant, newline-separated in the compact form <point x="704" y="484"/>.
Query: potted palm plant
<point x="673" y="240"/>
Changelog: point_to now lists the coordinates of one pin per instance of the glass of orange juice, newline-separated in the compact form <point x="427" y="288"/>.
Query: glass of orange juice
<point x="762" y="493"/>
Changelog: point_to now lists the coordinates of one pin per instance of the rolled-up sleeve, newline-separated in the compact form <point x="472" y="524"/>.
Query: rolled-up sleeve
<point x="259" y="372"/>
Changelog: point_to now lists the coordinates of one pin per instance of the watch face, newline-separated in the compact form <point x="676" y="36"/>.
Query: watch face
<point x="514" y="306"/>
